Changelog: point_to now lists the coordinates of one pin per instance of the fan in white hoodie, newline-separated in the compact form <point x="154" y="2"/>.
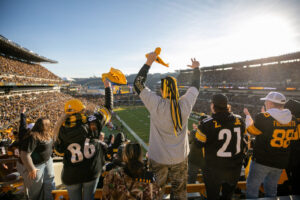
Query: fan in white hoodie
<point x="274" y="129"/>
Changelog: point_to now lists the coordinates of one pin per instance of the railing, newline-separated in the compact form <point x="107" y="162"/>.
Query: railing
<point x="29" y="77"/>
<point x="191" y="188"/>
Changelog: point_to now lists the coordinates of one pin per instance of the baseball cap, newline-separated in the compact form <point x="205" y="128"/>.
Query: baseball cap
<point x="275" y="97"/>
<point x="220" y="100"/>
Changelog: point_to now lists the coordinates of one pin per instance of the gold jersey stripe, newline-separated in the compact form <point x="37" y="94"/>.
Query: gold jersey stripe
<point x="59" y="154"/>
<point x="253" y="130"/>
<point x="200" y="136"/>
<point x="106" y="115"/>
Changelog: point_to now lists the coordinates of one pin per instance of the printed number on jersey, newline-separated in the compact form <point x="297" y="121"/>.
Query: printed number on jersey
<point x="77" y="155"/>
<point x="227" y="135"/>
<point x="281" y="138"/>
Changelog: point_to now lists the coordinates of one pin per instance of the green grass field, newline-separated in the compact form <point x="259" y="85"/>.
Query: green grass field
<point x="137" y="118"/>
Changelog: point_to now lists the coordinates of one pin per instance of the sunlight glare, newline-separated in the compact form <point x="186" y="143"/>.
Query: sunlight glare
<point x="265" y="35"/>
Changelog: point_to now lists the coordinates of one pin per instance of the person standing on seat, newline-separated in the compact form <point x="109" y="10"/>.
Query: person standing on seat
<point x="221" y="135"/>
<point x="274" y="130"/>
<point x="78" y="142"/>
<point x="36" y="149"/>
<point x="168" y="141"/>
<point x="294" y="163"/>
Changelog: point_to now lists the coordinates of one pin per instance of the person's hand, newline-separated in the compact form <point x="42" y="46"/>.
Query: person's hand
<point x="23" y="110"/>
<point x="106" y="83"/>
<point x="151" y="57"/>
<point x="262" y="109"/>
<point x="246" y="111"/>
<point x="195" y="63"/>
<point x="32" y="174"/>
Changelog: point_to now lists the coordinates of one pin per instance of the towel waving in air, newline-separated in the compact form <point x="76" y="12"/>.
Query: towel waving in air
<point x="158" y="59"/>
<point x="115" y="76"/>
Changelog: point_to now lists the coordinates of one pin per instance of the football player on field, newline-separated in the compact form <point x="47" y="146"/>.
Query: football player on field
<point x="274" y="129"/>
<point x="222" y="137"/>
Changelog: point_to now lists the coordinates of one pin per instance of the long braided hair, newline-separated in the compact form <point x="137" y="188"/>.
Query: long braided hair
<point x="170" y="91"/>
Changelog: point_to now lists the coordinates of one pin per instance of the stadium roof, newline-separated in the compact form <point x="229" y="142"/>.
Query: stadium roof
<point x="285" y="57"/>
<point x="9" y="48"/>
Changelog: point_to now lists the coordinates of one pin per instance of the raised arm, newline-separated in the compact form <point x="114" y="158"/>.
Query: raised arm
<point x="23" y="124"/>
<point x="108" y="95"/>
<point x="140" y="79"/>
<point x="196" y="73"/>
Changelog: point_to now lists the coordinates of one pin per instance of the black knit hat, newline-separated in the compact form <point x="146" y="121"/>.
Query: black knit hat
<point x="220" y="100"/>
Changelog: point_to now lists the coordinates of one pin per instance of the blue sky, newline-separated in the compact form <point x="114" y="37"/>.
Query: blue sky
<point x="89" y="37"/>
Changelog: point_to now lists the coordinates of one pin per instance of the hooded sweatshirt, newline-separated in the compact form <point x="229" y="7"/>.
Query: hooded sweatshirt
<point x="275" y="128"/>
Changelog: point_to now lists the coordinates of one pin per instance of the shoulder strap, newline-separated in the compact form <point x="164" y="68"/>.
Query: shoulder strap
<point x="130" y="188"/>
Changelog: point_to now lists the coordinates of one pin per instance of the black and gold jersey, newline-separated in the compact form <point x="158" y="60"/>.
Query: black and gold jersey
<point x="78" y="143"/>
<point x="296" y="138"/>
<point x="222" y="137"/>
<point x="272" y="142"/>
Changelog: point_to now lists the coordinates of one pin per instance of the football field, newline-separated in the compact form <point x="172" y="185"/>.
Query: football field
<point x="138" y="119"/>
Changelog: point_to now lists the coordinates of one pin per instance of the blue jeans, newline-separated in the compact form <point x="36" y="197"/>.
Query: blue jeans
<point x="258" y="174"/>
<point x="88" y="189"/>
<point x="42" y="186"/>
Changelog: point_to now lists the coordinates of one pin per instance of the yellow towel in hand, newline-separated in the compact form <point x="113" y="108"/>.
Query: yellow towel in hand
<point x="115" y="76"/>
<point x="158" y="59"/>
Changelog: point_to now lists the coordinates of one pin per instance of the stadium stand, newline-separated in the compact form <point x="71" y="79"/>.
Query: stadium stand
<point x="26" y="83"/>
<point x="279" y="72"/>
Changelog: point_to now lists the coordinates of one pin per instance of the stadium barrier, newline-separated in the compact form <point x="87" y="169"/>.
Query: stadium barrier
<point x="191" y="188"/>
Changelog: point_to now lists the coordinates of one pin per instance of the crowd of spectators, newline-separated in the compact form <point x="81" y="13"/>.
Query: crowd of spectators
<point x="48" y="104"/>
<point x="22" y="72"/>
<point x="278" y="75"/>
<point x="18" y="80"/>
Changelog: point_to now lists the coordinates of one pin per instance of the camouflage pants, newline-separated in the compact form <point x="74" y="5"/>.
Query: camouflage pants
<point x="176" y="174"/>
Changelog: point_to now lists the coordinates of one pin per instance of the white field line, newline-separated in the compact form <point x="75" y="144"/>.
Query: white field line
<point x="133" y="133"/>
<point x="193" y="119"/>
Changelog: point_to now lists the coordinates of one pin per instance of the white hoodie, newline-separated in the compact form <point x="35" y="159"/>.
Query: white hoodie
<point x="282" y="116"/>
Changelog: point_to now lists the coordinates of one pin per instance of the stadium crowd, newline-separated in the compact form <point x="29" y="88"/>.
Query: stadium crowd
<point x="21" y="72"/>
<point x="38" y="104"/>
<point x="286" y="76"/>
<point x="14" y="79"/>
<point x="73" y="127"/>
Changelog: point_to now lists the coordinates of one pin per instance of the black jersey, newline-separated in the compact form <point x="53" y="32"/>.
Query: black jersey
<point x="222" y="136"/>
<point x="81" y="149"/>
<point x="272" y="142"/>
<point x="296" y="138"/>
<point x="40" y="151"/>
<point x="79" y="144"/>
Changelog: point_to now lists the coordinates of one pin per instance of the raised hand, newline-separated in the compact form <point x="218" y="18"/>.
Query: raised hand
<point x="246" y="111"/>
<point x="23" y="110"/>
<point x="195" y="63"/>
<point x="151" y="57"/>
<point x="106" y="83"/>
<point x="262" y="109"/>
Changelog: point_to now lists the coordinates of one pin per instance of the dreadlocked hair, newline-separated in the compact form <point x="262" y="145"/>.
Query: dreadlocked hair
<point x="170" y="91"/>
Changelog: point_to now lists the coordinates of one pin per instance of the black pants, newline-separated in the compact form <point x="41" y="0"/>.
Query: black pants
<point x="214" y="178"/>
